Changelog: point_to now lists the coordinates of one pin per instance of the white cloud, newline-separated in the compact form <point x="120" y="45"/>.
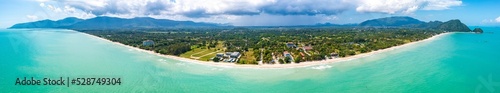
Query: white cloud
<point x="331" y="18"/>
<point x="202" y="8"/>
<point x="42" y="4"/>
<point x="498" y="19"/>
<point x="491" y="21"/>
<point x="404" y="6"/>
<point x="32" y="17"/>
<point x="53" y="8"/>
<point x="233" y="11"/>
<point x="65" y="10"/>
<point x="42" y="0"/>
<point x="440" y="4"/>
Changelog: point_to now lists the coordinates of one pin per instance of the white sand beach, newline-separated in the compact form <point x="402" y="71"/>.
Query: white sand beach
<point x="293" y="65"/>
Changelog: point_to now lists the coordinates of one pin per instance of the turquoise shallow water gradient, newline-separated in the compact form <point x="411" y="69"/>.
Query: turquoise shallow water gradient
<point x="458" y="62"/>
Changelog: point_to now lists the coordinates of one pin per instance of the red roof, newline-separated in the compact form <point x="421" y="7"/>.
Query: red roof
<point x="307" y="47"/>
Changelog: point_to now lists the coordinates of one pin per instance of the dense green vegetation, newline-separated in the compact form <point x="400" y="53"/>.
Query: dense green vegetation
<point x="256" y="45"/>
<point x="269" y="44"/>
<point x="454" y="25"/>
<point x="409" y="22"/>
<point x="477" y="30"/>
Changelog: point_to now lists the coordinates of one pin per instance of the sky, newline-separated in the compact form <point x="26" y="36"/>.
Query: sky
<point x="254" y="12"/>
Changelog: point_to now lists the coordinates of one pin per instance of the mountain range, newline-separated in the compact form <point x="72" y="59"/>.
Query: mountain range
<point x="409" y="22"/>
<point x="391" y="21"/>
<point x="111" y="23"/>
<point x="49" y="23"/>
<point x="104" y="22"/>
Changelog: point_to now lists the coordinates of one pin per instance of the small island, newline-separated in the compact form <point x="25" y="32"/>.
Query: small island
<point x="259" y="45"/>
<point x="478" y="30"/>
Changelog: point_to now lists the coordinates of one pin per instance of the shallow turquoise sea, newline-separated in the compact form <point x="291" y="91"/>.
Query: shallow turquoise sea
<point x="455" y="63"/>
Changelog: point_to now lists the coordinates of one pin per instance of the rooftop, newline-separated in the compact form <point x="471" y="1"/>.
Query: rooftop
<point x="307" y="47"/>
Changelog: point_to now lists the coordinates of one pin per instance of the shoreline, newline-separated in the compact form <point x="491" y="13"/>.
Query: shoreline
<point x="291" y="65"/>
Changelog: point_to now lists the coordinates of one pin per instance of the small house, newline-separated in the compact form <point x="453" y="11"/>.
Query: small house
<point x="302" y="54"/>
<point x="286" y="54"/>
<point x="235" y="55"/>
<point x="335" y="55"/>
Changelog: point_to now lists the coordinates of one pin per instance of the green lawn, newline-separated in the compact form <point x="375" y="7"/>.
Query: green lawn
<point x="207" y="57"/>
<point x="199" y="52"/>
<point x="189" y="53"/>
<point x="205" y="51"/>
<point x="248" y="58"/>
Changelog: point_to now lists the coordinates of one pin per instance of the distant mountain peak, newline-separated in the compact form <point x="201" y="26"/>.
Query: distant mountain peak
<point x="454" y="25"/>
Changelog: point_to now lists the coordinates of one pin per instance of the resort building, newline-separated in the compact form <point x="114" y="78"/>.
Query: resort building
<point x="229" y="56"/>
<point x="219" y="55"/>
<point x="234" y="55"/>
<point x="148" y="43"/>
<point x="291" y="45"/>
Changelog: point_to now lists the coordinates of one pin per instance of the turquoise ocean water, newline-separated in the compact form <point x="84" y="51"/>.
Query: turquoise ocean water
<point x="455" y="63"/>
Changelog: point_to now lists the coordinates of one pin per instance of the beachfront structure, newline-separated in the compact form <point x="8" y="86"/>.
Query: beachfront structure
<point x="235" y="55"/>
<point x="334" y="55"/>
<point x="229" y="56"/>
<point x="286" y="54"/>
<point x="219" y="55"/>
<point x="148" y="43"/>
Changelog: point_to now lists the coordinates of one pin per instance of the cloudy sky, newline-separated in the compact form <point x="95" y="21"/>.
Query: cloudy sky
<point x="254" y="12"/>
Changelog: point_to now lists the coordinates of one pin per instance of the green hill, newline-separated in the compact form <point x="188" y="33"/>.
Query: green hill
<point x="478" y="30"/>
<point x="454" y="25"/>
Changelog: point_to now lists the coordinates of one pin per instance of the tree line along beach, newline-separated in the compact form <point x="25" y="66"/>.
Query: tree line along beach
<point x="267" y="47"/>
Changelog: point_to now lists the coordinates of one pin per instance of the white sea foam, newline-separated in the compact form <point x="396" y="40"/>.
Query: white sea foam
<point x="180" y="63"/>
<point x="321" y="67"/>
<point x="162" y="60"/>
<point x="218" y="69"/>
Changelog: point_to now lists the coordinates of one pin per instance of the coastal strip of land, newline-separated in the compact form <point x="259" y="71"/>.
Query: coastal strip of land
<point x="292" y="65"/>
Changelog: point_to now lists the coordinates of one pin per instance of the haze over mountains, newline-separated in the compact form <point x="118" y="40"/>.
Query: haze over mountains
<point x="147" y="22"/>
